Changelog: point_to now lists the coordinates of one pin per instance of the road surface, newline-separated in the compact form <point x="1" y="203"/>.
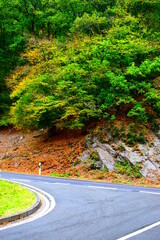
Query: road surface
<point x="90" y="211"/>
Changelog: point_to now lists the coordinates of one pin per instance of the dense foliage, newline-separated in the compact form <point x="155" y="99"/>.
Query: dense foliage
<point x="82" y="60"/>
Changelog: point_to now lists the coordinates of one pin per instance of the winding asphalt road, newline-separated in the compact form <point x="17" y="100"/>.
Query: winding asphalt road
<point x="90" y="211"/>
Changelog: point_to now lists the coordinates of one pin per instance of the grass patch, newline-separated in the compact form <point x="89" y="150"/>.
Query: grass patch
<point x="65" y="175"/>
<point x="14" y="198"/>
<point x="124" y="167"/>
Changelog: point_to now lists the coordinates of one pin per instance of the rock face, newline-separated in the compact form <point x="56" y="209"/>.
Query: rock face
<point x="105" y="152"/>
<point x="106" y="158"/>
<point x="85" y="155"/>
<point x="146" y="156"/>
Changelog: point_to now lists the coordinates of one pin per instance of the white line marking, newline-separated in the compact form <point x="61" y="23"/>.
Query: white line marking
<point x="140" y="231"/>
<point x="107" y="188"/>
<point x="22" y="180"/>
<point x="45" y="182"/>
<point x="156" y="193"/>
<point x="49" y="206"/>
<point x="65" y="184"/>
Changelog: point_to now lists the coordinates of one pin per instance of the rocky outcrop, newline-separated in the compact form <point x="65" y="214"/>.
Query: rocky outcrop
<point x="105" y="151"/>
<point x="145" y="156"/>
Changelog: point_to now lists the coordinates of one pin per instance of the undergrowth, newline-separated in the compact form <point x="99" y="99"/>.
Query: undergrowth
<point x="124" y="167"/>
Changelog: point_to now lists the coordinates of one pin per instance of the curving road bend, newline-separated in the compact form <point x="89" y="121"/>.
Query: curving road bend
<point x="90" y="211"/>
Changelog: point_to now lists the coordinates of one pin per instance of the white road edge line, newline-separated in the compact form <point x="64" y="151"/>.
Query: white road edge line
<point x="156" y="193"/>
<point x="107" y="188"/>
<point x="50" y="205"/>
<point x="140" y="231"/>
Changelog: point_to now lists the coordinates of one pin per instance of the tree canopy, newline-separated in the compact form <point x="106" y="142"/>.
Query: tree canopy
<point x="66" y="62"/>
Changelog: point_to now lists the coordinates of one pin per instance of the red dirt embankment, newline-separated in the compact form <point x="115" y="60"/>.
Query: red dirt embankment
<point x="22" y="152"/>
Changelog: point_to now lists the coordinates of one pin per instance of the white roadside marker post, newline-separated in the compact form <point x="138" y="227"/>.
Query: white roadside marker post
<point x="39" y="168"/>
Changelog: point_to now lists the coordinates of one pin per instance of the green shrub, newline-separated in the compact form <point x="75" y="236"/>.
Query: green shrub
<point x="135" y="135"/>
<point x="139" y="112"/>
<point x="66" y="175"/>
<point x="125" y="167"/>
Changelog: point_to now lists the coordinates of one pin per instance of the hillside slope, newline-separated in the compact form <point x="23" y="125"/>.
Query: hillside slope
<point x="60" y="155"/>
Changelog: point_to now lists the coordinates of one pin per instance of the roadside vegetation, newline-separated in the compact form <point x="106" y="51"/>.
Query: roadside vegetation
<point x="14" y="198"/>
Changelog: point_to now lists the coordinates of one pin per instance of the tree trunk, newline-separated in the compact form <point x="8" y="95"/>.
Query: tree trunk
<point x="52" y="131"/>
